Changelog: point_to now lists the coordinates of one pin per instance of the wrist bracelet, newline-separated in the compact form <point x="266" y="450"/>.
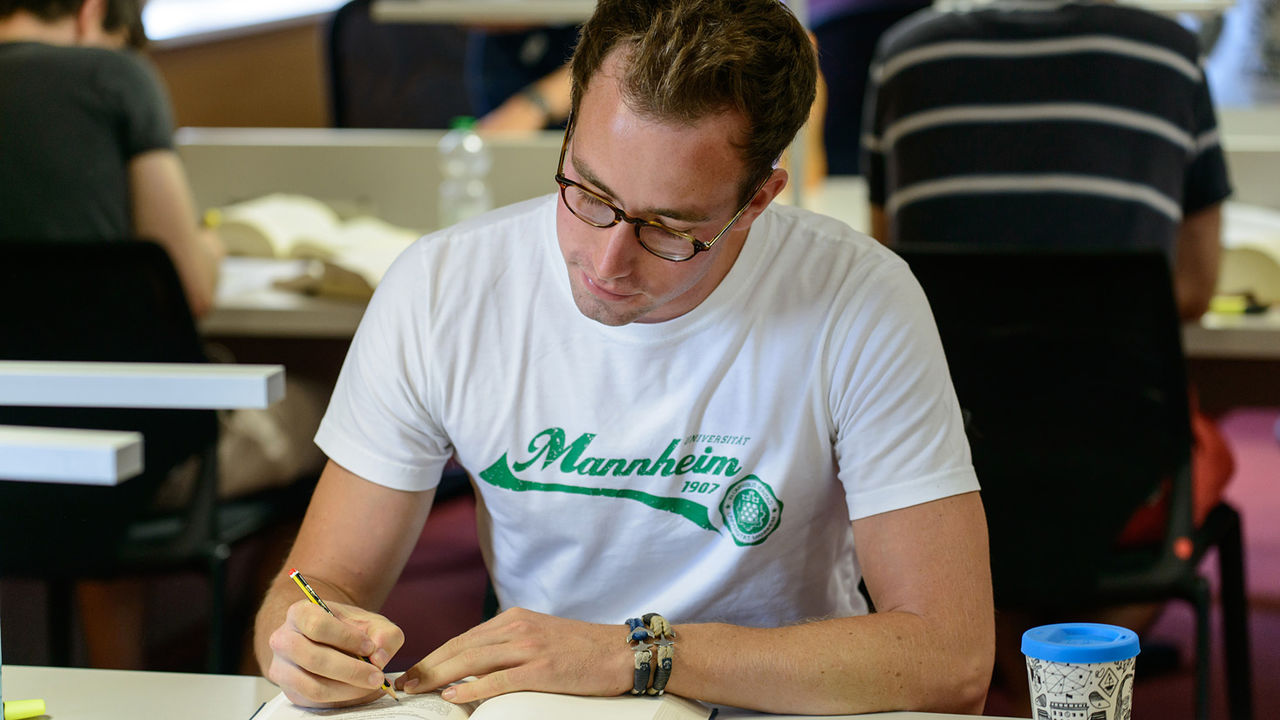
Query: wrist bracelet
<point x="535" y="96"/>
<point x="639" y="639"/>
<point x="664" y="639"/>
<point x="644" y="634"/>
<point x="663" y="672"/>
<point x="640" y="677"/>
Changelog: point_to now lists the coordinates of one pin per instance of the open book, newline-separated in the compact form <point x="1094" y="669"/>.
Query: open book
<point x="355" y="252"/>
<point x="1251" y="255"/>
<point x="512" y="706"/>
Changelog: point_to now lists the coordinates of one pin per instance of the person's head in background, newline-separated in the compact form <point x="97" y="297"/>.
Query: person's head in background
<point x="685" y="60"/>
<point x="100" y="23"/>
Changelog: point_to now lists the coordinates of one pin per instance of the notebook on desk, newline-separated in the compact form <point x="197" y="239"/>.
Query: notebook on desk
<point x="512" y="706"/>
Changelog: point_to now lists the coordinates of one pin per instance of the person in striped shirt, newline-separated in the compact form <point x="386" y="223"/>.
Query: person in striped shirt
<point x="1054" y="124"/>
<point x="1035" y="122"/>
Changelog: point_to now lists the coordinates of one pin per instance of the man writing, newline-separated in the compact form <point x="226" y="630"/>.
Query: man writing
<point x="674" y="397"/>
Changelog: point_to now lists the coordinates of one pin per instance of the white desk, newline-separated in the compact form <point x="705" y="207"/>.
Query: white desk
<point x="79" y="694"/>
<point x="390" y="174"/>
<point x="173" y="23"/>
<point x="64" y="455"/>
<point x="1238" y="337"/>
<point x="178" y="386"/>
<point x="577" y="11"/>
<point x="248" y="306"/>
<point x="483" y="11"/>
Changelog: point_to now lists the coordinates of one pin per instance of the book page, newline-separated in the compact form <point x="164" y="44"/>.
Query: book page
<point x="271" y="225"/>
<point x="550" y="706"/>
<point x="368" y="246"/>
<point x="427" y="706"/>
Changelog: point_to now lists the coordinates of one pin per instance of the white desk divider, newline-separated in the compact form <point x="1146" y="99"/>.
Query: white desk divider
<point x="470" y="11"/>
<point x="180" y="386"/>
<point x="61" y="455"/>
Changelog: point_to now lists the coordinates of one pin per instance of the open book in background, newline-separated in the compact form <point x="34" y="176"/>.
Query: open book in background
<point x="513" y="706"/>
<point x="353" y="253"/>
<point x="1251" y="252"/>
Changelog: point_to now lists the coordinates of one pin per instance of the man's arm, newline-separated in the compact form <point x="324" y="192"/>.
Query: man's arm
<point x="929" y="646"/>
<point x="164" y="211"/>
<point x="354" y="541"/>
<point x="879" y="224"/>
<point x="520" y="112"/>
<point x="1198" y="255"/>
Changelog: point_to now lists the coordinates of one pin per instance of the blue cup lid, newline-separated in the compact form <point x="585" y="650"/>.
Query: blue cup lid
<point x="1080" y="643"/>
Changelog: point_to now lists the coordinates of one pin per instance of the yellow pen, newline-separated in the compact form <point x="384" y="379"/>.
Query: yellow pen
<point x="313" y="597"/>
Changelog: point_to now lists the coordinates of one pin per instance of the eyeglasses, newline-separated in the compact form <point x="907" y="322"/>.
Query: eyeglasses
<point x="595" y="210"/>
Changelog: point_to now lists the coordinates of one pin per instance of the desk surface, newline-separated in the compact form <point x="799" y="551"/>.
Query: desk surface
<point x="247" y="306"/>
<point x="1234" y="337"/>
<point x="80" y="694"/>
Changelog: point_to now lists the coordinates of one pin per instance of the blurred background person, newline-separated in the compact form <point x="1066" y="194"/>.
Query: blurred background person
<point x="1048" y="124"/>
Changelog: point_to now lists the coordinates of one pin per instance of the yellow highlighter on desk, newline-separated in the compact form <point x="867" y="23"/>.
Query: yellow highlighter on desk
<point x="23" y="709"/>
<point x="313" y="597"/>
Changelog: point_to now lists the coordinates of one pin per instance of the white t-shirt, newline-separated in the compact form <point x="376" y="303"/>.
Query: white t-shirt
<point x="706" y="467"/>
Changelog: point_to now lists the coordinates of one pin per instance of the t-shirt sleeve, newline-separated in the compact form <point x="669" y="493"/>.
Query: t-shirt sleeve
<point x="132" y="85"/>
<point x="899" y="433"/>
<point x="1206" y="181"/>
<point x="379" y="424"/>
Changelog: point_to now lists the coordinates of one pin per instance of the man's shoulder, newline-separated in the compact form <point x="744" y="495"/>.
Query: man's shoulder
<point x="1146" y="26"/>
<point x="505" y="237"/>
<point x="814" y="245"/>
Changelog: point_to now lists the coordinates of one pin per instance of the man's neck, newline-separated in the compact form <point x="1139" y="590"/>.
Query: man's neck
<point x="23" y="26"/>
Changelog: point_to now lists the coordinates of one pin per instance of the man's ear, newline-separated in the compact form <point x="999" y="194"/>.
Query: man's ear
<point x="89" y="19"/>
<point x="771" y="189"/>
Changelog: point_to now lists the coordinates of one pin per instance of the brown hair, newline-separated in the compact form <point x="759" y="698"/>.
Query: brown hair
<point x="687" y="59"/>
<point x="126" y="16"/>
<point x="118" y="15"/>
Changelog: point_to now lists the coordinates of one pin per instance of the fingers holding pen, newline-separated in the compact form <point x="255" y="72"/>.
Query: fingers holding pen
<point x="386" y="636"/>
<point x="314" y="656"/>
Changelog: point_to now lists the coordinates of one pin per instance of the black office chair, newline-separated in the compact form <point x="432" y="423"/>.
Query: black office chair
<point x="1070" y="371"/>
<point x="394" y="75"/>
<point x="115" y="301"/>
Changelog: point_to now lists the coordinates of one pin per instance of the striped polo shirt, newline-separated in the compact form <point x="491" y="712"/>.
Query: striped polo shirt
<point x="1033" y="122"/>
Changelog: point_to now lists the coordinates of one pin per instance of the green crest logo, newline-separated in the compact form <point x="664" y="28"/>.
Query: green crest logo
<point x="750" y="510"/>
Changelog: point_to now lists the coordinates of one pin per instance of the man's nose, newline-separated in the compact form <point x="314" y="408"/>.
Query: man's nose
<point x="615" y="254"/>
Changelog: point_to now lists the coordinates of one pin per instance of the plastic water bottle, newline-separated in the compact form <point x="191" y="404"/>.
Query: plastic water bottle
<point x="464" y="169"/>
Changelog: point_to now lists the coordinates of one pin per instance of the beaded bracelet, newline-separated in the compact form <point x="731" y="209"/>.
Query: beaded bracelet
<point x="643" y="635"/>
<point x="665" y="640"/>
<point x="639" y="639"/>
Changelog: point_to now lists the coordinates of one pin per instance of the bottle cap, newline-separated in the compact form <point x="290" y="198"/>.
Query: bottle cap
<point x="1080" y="643"/>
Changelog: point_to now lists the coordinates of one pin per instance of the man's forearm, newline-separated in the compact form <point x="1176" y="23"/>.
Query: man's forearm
<point x="884" y="661"/>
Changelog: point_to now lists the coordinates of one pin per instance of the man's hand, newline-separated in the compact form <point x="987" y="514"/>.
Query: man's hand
<point x="525" y="650"/>
<point x="315" y="656"/>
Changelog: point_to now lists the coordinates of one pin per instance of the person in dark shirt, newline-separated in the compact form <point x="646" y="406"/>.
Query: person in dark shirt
<point x="86" y="137"/>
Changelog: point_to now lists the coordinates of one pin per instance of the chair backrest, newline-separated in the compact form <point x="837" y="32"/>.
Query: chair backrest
<point x="394" y="75"/>
<point x="92" y="301"/>
<point x="1069" y="368"/>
